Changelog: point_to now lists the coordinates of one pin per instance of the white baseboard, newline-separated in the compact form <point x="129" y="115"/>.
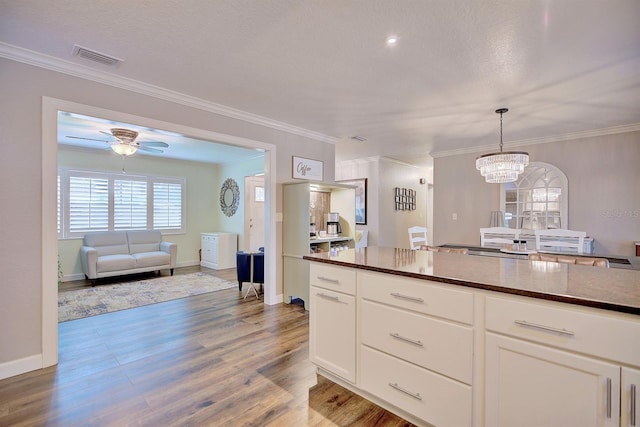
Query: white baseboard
<point x="20" y="366"/>
<point x="72" y="277"/>
<point x="187" y="263"/>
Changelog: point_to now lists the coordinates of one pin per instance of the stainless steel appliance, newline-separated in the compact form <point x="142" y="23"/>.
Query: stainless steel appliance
<point x="333" y="224"/>
<point x="312" y="226"/>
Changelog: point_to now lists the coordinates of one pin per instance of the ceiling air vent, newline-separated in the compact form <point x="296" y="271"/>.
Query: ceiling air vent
<point x="358" y="138"/>
<point x="94" y="56"/>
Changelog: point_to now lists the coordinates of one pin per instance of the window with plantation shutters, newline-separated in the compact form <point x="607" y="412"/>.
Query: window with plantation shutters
<point x="102" y="201"/>
<point x="129" y="205"/>
<point x="88" y="204"/>
<point x="167" y="205"/>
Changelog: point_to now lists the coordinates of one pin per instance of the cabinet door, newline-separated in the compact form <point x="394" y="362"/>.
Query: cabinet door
<point x="629" y="408"/>
<point x="332" y="332"/>
<point x="529" y="385"/>
<point x="206" y="249"/>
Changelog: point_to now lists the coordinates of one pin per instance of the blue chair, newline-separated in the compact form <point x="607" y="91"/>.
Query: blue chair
<point x="243" y="267"/>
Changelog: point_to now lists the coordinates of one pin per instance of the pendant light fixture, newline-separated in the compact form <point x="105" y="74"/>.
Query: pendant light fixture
<point x="503" y="166"/>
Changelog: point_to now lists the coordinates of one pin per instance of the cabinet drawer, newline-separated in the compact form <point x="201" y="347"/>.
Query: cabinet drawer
<point x="418" y="295"/>
<point x="431" y="397"/>
<point x="433" y="344"/>
<point x="562" y="326"/>
<point x="334" y="278"/>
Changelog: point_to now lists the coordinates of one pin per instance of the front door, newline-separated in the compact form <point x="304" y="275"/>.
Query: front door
<point x="254" y="215"/>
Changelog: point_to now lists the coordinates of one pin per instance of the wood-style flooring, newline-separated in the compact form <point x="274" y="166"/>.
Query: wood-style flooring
<point x="209" y="360"/>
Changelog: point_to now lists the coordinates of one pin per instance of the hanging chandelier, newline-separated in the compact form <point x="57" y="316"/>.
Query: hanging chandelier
<point x="503" y="166"/>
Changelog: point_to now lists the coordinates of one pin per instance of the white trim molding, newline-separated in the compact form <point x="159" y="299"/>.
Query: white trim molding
<point x="20" y="366"/>
<point x="30" y="57"/>
<point x="543" y="140"/>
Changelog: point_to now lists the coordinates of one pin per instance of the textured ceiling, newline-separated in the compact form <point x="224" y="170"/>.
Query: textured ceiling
<point x="561" y="67"/>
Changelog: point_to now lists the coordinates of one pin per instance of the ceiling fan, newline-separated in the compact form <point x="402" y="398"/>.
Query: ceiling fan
<point x="125" y="142"/>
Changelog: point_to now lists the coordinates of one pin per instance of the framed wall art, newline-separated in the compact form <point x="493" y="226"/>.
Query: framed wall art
<point x="361" y="198"/>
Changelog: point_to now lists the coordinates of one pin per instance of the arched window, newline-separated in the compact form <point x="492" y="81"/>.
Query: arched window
<point x="538" y="200"/>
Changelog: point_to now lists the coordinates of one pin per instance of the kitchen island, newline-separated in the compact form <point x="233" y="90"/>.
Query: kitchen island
<point x="457" y="340"/>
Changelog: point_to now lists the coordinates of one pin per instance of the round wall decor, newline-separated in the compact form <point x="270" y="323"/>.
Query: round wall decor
<point x="229" y="197"/>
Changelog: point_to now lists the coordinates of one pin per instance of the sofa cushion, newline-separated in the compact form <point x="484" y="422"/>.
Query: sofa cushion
<point x="150" y="259"/>
<point x="115" y="263"/>
<point x="107" y="242"/>
<point x="144" y="241"/>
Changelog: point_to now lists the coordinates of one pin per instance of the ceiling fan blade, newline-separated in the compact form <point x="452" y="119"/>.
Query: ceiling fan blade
<point x="109" y="134"/>
<point x="149" y="149"/>
<point x="88" y="139"/>
<point x="154" y="144"/>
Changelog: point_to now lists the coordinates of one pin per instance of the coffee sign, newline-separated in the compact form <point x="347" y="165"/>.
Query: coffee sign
<point x="307" y="169"/>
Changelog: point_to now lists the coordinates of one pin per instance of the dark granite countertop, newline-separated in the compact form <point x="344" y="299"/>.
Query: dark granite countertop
<point x="604" y="288"/>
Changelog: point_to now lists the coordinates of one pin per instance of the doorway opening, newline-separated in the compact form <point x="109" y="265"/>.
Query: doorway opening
<point x="51" y="107"/>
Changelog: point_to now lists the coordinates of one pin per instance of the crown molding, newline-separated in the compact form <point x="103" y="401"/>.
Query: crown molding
<point x="543" y="140"/>
<point x="37" y="59"/>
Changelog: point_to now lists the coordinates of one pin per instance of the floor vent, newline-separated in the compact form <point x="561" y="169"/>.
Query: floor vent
<point x="94" y="56"/>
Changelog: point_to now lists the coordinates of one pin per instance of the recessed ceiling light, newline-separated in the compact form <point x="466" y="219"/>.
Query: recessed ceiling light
<point x="392" y="40"/>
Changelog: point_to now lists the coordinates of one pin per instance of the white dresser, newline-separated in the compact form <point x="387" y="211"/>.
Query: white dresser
<point x="218" y="250"/>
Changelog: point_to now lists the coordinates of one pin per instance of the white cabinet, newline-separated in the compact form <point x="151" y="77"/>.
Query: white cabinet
<point x="630" y="398"/>
<point x="416" y="347"/>
<point x="529" y="385"/>
<point x="552" y="364"/>
<point x="218" y="250"/>
<point x="455" y="356"/>
<point x="332" y="320"/>
<point x="296" y="239"/>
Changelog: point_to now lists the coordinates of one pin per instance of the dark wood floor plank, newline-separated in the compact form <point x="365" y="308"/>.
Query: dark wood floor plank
<point x="209" y="360"/>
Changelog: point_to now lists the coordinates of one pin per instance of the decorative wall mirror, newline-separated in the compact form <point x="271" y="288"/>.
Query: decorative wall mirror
<point x="229" y="197"/>
<point x="538" y="200"/>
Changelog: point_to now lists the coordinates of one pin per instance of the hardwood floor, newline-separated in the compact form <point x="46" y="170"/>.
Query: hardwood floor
<point x="209" y="360"/>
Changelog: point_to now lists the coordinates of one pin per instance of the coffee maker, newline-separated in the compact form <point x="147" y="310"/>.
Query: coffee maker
<point x="312" y="227"/>
<point x="333" y="224"/>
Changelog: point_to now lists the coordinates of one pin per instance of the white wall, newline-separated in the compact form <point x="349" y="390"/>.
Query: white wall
<point x="604" y="195"/>
<point x="388" y="227"/>
<point x="23" y="88"/>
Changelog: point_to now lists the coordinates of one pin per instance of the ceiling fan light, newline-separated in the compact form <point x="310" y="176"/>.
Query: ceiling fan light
<point x="124" y="149"/>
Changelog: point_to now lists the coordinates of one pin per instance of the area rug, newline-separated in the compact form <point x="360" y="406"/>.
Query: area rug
<point x="100" y="299"/>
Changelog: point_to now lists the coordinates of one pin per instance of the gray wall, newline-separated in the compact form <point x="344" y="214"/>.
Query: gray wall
<point x="387" y="226"/>
<point x="22" y="87"/>
<point x="604" y="195"/>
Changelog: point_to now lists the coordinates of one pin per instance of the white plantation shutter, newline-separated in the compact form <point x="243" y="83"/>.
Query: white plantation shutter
<point x="88" y="204"/>
<point x="167" y="205"/>
<point x="103" y="201"/>
<point x="129" y="205"/>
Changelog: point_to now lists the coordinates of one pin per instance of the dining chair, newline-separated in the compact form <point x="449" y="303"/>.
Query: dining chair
<point x="361" y="238"/>
<point x="498" y="236"/>
<point x="560" y="239"/>
<point x="417" y="236"/>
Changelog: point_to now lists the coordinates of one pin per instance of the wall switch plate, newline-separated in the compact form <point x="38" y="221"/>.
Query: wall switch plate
<point x="454" y="216"/>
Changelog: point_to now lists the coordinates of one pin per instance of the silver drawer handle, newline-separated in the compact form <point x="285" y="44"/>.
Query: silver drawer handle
<point x="400" y="337"/>
<point x="405" y="391"/>
<point x="326" y="279"/>
<point x="397" y="295"/>
<point x="543" y="327"/>
<point x="608" y="398"/>
<point x="331" y="297"/>
<point x="632" y="416"/>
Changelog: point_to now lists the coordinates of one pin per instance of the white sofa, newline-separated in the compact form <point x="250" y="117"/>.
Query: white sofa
<point x="114" y="253"/>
